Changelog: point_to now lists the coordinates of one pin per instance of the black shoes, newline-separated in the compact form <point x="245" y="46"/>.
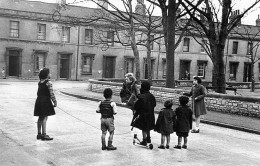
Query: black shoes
<point x="195" y="131"/>
<point x="184" y="146"/>
<point x="177" y="147"/>
<point x="161" y="147"/>
<point x="46" y="138"/>
<point x="39" y="136"/>
<point x="148" y="139"/>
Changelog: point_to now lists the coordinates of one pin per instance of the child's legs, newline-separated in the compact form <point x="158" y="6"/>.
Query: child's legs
<point x="103" y="138"/>
<point x="168" y="137"/>
<point x="144" y="134"/>
<point x="185" y="140"/>
<point x="39" y="124"/>
<point x="111" y="136"/>
<point x="179" y="141"/>
<point x="44" y="124"/>
<point x="197" y="120"/>
<point x="162" y="139"/>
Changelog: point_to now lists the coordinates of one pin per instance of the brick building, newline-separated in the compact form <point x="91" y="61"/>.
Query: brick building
<point x="30" y="39"/>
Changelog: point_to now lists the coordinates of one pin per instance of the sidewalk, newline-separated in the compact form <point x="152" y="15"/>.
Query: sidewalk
<point x="237" y="122"/>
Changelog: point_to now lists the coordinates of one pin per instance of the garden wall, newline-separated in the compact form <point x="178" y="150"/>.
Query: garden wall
<point x="247" y="106"/>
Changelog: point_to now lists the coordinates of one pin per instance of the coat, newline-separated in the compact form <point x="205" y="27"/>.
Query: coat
<point x="144" y="118"/>
<point x="198" y="106"/>
<point x="165" y="121"/>
<point x="183" y="119"/>
<point x="127" y="90"/>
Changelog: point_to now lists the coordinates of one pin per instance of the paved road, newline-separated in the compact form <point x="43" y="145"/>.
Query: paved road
<point x="76" y="133"/>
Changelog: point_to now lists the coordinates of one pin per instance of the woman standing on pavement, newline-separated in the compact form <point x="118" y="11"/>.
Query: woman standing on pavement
<point x="198" y="105"/>
<point x="45" y="103"/>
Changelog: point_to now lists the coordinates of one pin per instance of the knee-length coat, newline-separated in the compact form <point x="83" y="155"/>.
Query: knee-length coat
<point x="197" y="94"/>
<point x="144" y="118"/>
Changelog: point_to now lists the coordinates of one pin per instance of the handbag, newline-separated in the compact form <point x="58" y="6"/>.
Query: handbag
<point x="132" y="100"/>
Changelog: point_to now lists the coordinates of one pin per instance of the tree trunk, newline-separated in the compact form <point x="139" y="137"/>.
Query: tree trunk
<point x="253" y="77"/>
<point x="218" y="73"/>
<point x="170" y="54"/>
<point x="149" y="65"/>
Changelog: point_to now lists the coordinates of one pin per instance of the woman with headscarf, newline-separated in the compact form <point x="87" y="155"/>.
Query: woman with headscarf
<point x="197" y="94"/>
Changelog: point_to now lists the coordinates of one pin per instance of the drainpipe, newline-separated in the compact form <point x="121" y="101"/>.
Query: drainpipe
<point x="77" y="61"/>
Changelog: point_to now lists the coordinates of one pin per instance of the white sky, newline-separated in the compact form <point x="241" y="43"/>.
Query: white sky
<point x="238" y="4"/>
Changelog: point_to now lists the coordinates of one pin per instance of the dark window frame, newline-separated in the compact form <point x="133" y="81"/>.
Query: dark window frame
<point x="17" y="30"/>
<point x="186" y="44"/>
<point x="205" y="63"/>
<point x="233" y="66"/>
<point x="235" y="47"/>
<point x="40" y="35"/>
<point x="90" y="31"/>
<point x="91" y="58"/>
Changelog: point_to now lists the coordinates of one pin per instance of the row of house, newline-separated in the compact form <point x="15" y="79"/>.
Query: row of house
<point x="31" y="39"/>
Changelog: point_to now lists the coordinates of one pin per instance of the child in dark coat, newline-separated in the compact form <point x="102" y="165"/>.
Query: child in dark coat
<point x="183" y="122"/>
<point x="165" y="123"/>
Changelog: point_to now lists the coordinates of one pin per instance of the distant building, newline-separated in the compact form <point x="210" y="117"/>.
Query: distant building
<point x="31" y="39"/>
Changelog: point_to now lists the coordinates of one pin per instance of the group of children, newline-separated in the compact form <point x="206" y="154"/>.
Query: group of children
<point x="169" y="121"/>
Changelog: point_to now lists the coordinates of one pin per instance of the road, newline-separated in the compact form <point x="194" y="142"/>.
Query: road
<point x="75" y="129"/>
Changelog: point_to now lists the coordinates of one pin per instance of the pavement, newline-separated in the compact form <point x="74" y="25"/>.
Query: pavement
<point x="237" y="122"/>
<point x="76" y="132"/>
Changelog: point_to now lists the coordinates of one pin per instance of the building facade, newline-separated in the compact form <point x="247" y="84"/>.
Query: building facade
<point x="31" y="39"/>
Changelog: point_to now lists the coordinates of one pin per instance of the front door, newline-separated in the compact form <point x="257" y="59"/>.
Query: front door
<point x="13" y="63"/>
<point x="247" y="72"/>
<point x="184" y="70"/>
<point x="109" y="67"/>
<point x="64" y="67"/>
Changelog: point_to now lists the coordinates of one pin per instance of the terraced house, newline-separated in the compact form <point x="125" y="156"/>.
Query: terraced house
<point x="31" y="39"/>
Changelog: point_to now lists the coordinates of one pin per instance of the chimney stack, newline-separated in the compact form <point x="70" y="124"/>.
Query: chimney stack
<point x="233" y="15"/>
<point x="61" y="2"/>
<point x="140" y="7"/>
<point x="257" y="21"/>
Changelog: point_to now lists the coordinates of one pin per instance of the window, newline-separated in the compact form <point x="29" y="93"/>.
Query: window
<point x="87" y="63"/>
<point x="89" y="36"/>
<point x="164" y="67"/>
<point x="129" y="65"/>
<point x="14" y="29"/>
<point x="249" y="48"/>
<point x="39" y="62"/>
<point x="41" y="32"/>
<point x="202" y="68"/>
<point x="65" y="36"/>
<point x="110" y="38"/>
<point x="233" y="70"/>
<point x="235" y="47"/>
<point x="203" y="45"/>
<point x="186" y="45"/>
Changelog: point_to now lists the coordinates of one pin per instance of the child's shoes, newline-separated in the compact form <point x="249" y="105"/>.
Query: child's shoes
<point x="104" y="148"/>
<point x="111" y="147"/>
<point x="148" y="139"/>
<point x="144" y="143"/>
<point x="39" y="136"/>
<point x="46" y="138"/>
<point x="167" y="147"/>
<point x="184" y="146"/>
<point x="177" y="147"/>
<point x="161" y="147"/>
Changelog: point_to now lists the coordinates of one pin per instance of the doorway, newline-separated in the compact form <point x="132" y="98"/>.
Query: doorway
<point x="64" y="66"/>
<point x="14" y="63"/>
<point x="109" y="67"/>
<point x="247" y="72"/>
<point x="184" y="70"/>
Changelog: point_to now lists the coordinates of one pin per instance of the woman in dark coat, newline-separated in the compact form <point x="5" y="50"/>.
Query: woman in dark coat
<point x="144" y="116"/>
<point x="198" y="105"/>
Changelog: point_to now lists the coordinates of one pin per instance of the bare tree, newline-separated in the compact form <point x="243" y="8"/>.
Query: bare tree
<point x="216" y="29"/>
<point x="252" y="36"/>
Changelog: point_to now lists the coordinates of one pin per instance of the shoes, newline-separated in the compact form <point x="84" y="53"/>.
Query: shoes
<point x="177" y="147"/>
<point x="104" y="148"/>
<point x="184" y="146"/>
<point x="195" y="131"/>
<point x="46" y="138"/>
<point x="161" y="147"/>
<point x="167" y="146"/>
<point x="148" y="139"/>
<point x="144" y="143"/>
<point x="111" y="147"/>
<point x="39" y="136"/>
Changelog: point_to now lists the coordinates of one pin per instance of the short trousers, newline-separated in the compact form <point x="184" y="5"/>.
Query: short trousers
<point x="182" y="134"/>
<point x="107" y="124"/>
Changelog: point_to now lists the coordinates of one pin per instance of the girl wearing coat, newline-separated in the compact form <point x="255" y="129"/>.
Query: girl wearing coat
<point x="197" y="94"/>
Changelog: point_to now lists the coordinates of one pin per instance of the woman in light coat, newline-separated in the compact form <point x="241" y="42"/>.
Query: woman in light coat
<point x="198" y="105"/>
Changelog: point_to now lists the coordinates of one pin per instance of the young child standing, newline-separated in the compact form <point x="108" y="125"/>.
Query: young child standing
<point x="45" y="103"/>
<point x="108" y="109"/>
<point x="165" y="122"/>
<point x="183" y="122"/>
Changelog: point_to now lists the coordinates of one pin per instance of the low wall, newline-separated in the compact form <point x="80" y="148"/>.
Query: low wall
<point x="247" y="106"/>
